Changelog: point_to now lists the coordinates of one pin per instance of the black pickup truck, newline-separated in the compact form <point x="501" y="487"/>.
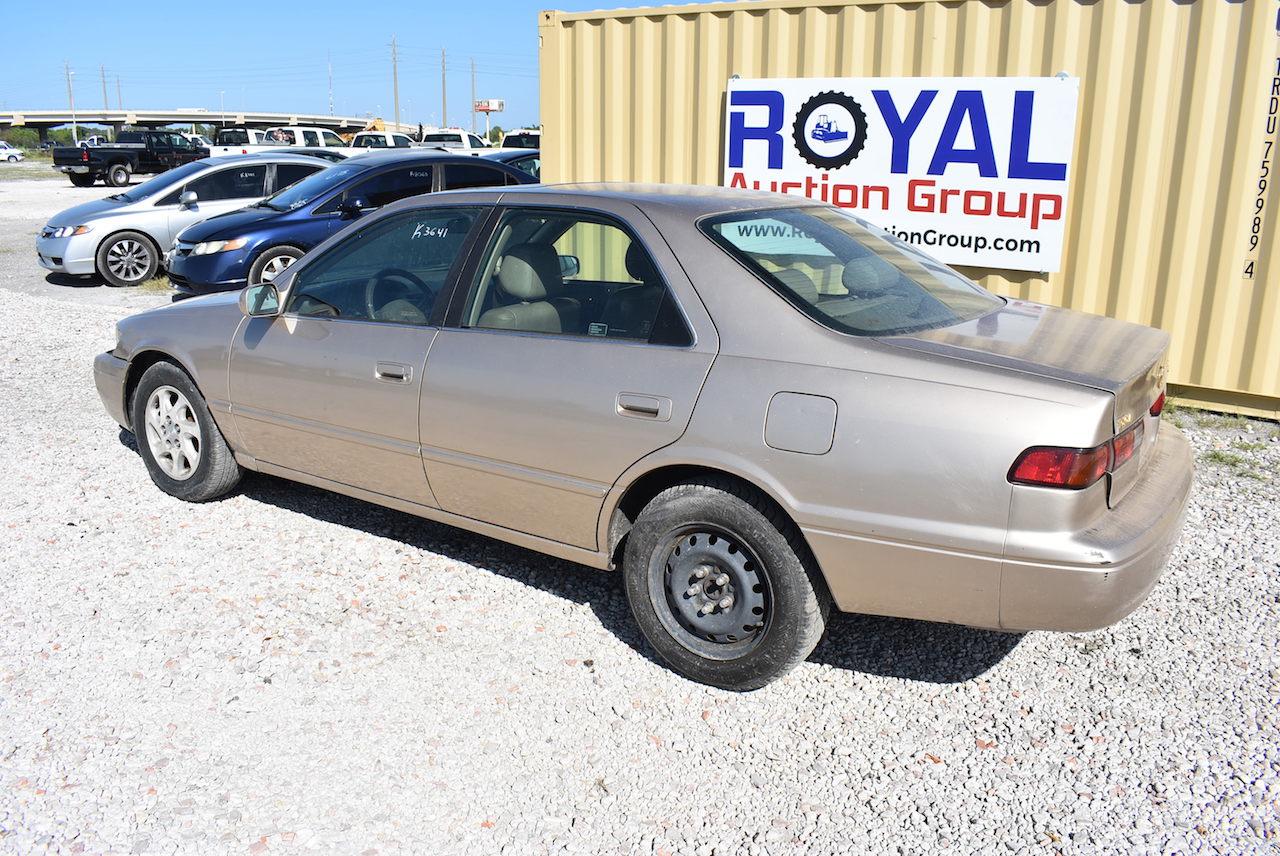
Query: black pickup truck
<point x="134" y="151"/>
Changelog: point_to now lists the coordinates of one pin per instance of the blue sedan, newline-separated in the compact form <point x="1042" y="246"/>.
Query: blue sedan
<point x="255" y="244"/>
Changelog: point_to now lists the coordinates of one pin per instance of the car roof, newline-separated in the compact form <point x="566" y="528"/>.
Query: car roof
<point x="274" y="157"/>
<point x="388" y="156"/>
<point x="504" y="155"/>
<point x="691" y="200"/>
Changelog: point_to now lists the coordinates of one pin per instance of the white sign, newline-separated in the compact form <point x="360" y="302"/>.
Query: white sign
<point x="973" y="170"/>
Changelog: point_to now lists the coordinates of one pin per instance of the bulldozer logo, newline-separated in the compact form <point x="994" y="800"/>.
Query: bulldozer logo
<point x="830" y="130"/>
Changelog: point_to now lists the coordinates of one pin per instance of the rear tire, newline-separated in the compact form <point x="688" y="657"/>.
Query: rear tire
<point x="178" y="440"/>
<point x="81" y="179"/>
<point x="128" y="258"/>
<point x="118" y="175"/>
<point x="719" y="581"/>
<point x="272" y="263"/>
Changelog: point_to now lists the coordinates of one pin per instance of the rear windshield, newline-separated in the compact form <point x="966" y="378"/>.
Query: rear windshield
<point x="520" y="141"/>
<point x="233" y="137"/>
<point x="847" y="274"/>
<point x="443" y="138"/>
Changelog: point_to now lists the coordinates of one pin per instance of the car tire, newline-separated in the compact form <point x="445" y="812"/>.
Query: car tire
<point x="172" y="424"/>
<point x="118" y="175"/>
<point x="271" y="263"/>
<point x="128" y="258"/>
<point x="750" y="569"/>
<point x="13" y="158"/>
<point x="80" y="179"/>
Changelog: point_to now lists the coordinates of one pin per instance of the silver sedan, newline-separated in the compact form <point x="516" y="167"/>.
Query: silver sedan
<point x="757" y="408"/>
<point x="123" y="237"/>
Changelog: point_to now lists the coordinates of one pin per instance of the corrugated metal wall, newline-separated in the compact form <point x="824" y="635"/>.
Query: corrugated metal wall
<point x="1172" y="136"/>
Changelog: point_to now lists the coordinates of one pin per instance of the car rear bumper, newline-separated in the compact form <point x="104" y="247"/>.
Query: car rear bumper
<point x="79" y="170"/>
<point x="1052" y="574"/>
<point x="1115" y="563"/>
<point x="109" y="375"/>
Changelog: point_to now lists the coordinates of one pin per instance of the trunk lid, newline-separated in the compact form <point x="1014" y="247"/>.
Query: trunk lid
<point x="1130" y="361"/>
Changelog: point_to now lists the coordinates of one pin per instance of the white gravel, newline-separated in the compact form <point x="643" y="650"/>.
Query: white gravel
<point x="288" y="671"/>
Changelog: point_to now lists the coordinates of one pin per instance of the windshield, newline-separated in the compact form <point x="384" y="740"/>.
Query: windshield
<point x="847" y="274"/>
<point x="311" y="188"/>
<point x="163" y="181"/>
<point x="372" y="141"/>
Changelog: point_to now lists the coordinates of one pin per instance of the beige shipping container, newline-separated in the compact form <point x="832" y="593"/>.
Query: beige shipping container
<point x="1172" y="217"/>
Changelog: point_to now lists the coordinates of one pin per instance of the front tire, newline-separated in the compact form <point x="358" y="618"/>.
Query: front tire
<point x="128" y="258"/>
<point x="178" y="440"/>
<point x="118" y="175"/>
<point x="81" y="179"/>
<point x="272" y="263"/>
<point x="718" y="580"/>
<point x="13" y="158"/>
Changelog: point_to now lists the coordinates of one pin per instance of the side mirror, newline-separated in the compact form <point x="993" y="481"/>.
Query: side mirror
<point x="570" y="266"/>
<point x="187" y="198"/>
<point x="261" y="300"/>
<point x="353" y="207"/>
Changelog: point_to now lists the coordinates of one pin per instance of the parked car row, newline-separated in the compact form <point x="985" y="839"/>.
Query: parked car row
<point x="263" y="212"/>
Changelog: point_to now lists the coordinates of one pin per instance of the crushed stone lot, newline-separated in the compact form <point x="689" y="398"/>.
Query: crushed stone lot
<point x="289" y="671"/>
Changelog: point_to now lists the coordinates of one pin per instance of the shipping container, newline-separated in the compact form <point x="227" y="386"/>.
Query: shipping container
<point x="1172" y="208"/>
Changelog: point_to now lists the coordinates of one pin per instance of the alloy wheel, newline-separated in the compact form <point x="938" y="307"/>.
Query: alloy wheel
<point x="173" y="433"/>
<point x="129" y="259"/>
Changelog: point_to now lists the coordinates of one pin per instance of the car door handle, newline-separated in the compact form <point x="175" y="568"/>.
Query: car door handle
<point x="640" y="406"/>
<point x="393" y="372"/>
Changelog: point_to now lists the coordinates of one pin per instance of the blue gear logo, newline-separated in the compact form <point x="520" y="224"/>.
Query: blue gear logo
<point x="828" y="130"/>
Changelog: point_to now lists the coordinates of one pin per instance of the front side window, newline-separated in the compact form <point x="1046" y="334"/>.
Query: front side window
<point x="531" y="165"/>
<point x="332" y="139"/>
<point x="310" y="189"/>
<point x="475" y="141"/>
<point x="393" y="184"/>
<point x="846" y="274"/>
<point x="310" y="138"/>
<point x="402" y="142"/>
<point x="242" y="182"/>
<point x="392" y="270"/>
<point x="575" y="274"/>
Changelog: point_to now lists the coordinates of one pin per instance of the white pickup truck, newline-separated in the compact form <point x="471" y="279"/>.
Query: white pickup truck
<point x="243" y="141"/>
<point x="456" y="140"/>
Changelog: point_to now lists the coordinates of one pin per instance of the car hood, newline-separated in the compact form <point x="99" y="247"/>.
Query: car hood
<point x="81" y="214"/>
<point x="229" y="225"/>
<point x="1128" y="360"/>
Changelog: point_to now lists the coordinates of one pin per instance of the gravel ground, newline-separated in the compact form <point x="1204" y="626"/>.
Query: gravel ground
<point x="287" y="671"/>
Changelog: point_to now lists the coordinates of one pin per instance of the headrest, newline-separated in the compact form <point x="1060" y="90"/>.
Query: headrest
<point x="799" y="282"/>
<point x="869" y="273"/>
<point x="529" y="271"/>
<point x="638" y="265"/>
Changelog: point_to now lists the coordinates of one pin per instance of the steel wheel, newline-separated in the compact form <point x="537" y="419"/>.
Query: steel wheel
<point x="710" y="592"/>
<point x="275" y="266"/>
<point x="173" y="434"/>
<point x="129" y="260"/>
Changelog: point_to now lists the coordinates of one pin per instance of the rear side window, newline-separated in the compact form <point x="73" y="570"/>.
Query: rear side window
<point x="241" y="182"/>
<point x="288" y="173"/>
<point x="311" y="138"/>
<point x="846" y="274"/>
<point x="401" y="141"/>
<point x="459" y="176"/>
<point x="393" y="184"/>
<point x="371" y="141"/>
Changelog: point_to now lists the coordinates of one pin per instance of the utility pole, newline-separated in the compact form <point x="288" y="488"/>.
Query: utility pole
<point x="222" y="106"/>
<point x="329" y="62"/>
<point x="444" y="97"/>
<point x="473" y="95"/>
<point x="395" y="82"/>
<point x="119" y="97"/>
<point x="105" y="104"/>
<point x="71" y="99"/>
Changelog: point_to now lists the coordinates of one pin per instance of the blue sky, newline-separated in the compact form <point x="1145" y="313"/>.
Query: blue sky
<point x="272" y="55"/>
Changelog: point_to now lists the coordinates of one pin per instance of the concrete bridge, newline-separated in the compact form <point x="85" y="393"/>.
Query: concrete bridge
<point x="43" y="120"/>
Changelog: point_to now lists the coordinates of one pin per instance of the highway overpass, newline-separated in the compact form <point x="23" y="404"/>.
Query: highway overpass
<point x="43" y="120"/>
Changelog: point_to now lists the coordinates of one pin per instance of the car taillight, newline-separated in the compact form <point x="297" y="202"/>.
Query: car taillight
<point x="1158" y="405"/>
<point x="1075" y="469"/>
<point x="84" y="155"/>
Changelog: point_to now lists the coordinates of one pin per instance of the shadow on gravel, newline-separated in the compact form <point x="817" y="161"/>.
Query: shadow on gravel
<point x="890" y="647"/>
<point x="69" y="281"/>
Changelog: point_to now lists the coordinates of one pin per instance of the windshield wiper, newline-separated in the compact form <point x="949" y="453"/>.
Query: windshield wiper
<point x="124" y="196"/>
